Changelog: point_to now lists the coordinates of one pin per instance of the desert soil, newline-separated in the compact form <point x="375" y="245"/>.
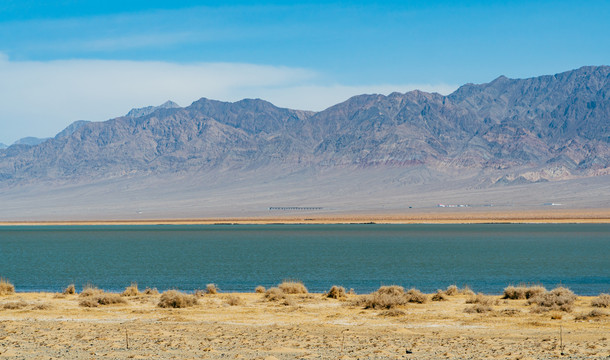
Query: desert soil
<point x="310" y="326"/>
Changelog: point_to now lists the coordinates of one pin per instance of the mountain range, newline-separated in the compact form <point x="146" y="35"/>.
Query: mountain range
<point x="536" y="133"/>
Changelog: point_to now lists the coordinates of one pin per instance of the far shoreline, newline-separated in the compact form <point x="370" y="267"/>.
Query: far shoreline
<point x="562" y="216"/>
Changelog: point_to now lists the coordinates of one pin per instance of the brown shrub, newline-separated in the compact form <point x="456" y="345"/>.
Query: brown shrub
<point x="14" y="305"/>
<point x="514" y="293"/>
<point x="131" y="290"/>
<point x="386" y="297"/>
<point x="522" y="292"/>
<point x="452" y="290"/>
<point x="382" y="301"/>
<point x="336" y="292"/>
<point x="416" y="296"/>
<point x="176" y="299"/>
<point x="478" y="309"/>
<point x="292" y="287"/>
<point x="389" y="297"/>
<point x="211" y="289"/>
<point x="482" y="299"/>
<point x="70" y="290"/>
<point x="102" y="299"/>
<point x="392" y="290"/>
<point x="90" y="290"/>
<point x="595" y="313"/>
<point x="260" y="289"/>
<point x="88" y="302"/>
<point x="234" y="300"/>
<point x="466" y="291"/>
<point x="274" y="294"/>
<point x="532" y="291"/>
<point x="6" y="288"/>
<point x="559" y="298"/>
<point x="149" y="291"/>
<point x="109" y="299"/>
<point x="603" y="300"/>
<point x="439" y="296"/>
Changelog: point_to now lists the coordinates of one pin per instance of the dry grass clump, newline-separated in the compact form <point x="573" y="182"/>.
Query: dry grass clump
<point x="260" y="289"/>
<point x="234" y="300"/>
<point x="522" y="292"/>
<point x="386" y="297"/>
<point x="603" y="300"/>
<point x="293" y="287"/>
<point x="559" y="298"/>
<point x="14" y="305"/>
<point x="336" y="292"/>
<point x="131" y="290"/>
<point x="466" y="291"/>
<point x="482" y="299"/>
<point x="452" y="290"/>
<point x="149" y="291"/>
<point x="6" y="288"/>
<point x="382" y="301"/>
<point x="176" y="299"/>
<point x="416" y="296"/>
<point x="101" y="299"/>
<point x="211" y="289"/>
<point x="393" y="290"/>
<point x="439" y="296"/>
<point x="89" y="290"/>
<point x="274" y="294"/>
<point x="595" y="313"/>
<point x="70" y="290"/>
<point x="478" y="309"/>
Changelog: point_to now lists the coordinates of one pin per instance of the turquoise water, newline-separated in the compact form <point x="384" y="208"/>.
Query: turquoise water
<point x="362" y="257"/>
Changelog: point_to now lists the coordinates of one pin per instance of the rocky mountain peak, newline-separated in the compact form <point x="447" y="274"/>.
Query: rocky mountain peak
<point x="140" y="112"/>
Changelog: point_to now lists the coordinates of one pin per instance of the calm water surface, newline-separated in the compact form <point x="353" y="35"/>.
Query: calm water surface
<point x="362" y="257"/>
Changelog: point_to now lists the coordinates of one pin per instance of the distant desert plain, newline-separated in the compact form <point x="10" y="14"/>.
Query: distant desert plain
<point x="438" y="216"/>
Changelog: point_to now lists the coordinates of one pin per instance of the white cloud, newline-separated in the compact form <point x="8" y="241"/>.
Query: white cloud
<point x="40" y="98"/>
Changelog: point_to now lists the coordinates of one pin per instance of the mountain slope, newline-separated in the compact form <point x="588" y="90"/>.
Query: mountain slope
<point x="503" y="133"/>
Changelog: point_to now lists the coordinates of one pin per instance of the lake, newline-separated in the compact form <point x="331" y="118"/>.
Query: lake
<point x="239" y="257"/>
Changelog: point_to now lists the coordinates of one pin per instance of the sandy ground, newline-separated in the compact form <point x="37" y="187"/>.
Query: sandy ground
<point x="436" y="216"/>
<point x="49" y="326"/>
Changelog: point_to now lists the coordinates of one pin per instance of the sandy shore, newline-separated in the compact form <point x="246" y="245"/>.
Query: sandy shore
<point x="436" y="216"/>
<point x="44" y="325"/>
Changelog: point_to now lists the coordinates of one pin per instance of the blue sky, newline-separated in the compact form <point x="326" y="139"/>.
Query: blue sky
<point x="66" y="60"/>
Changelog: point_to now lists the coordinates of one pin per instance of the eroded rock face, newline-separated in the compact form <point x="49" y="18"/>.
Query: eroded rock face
<point x="542" y="128"/>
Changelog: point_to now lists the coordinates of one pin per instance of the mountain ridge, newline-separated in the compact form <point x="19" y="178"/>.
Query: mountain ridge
<point x="560" y="118"/>
<point x="508" y="132"/>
